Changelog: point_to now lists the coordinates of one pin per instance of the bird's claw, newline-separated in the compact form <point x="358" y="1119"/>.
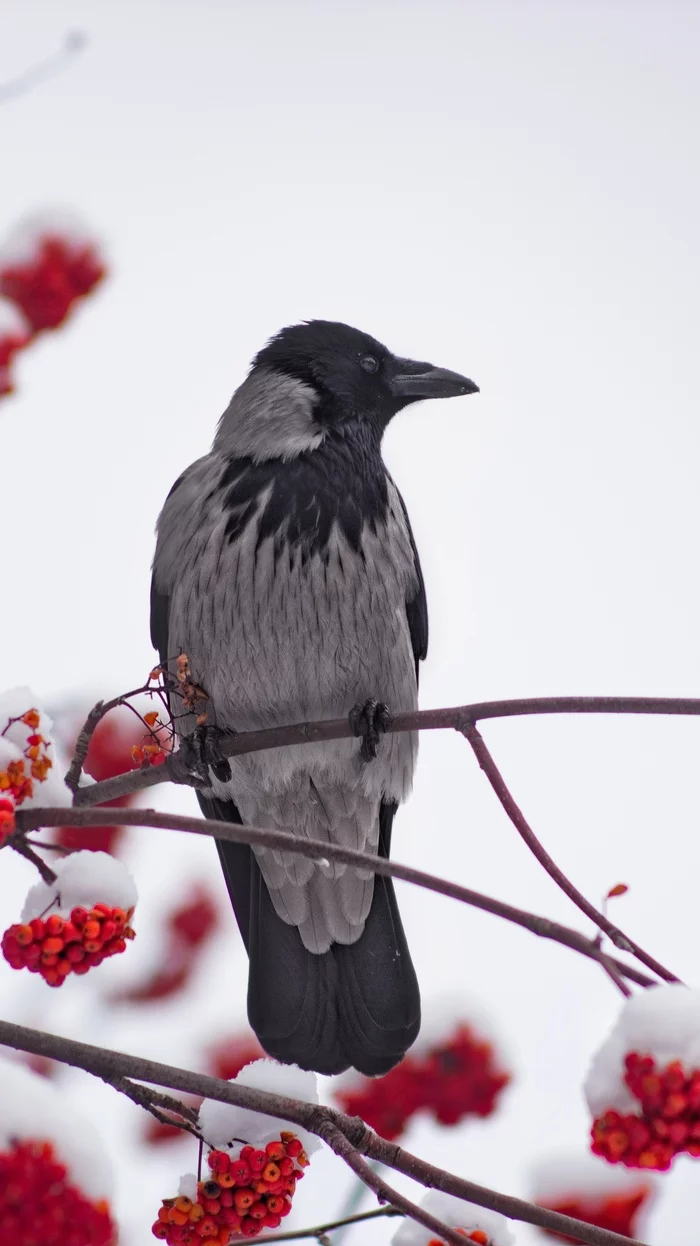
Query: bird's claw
<point x="369" y="721"/>
<point x="202" y="751"/>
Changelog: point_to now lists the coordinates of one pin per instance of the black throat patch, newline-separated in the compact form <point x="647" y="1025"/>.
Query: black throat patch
<point x="344" y="480"/>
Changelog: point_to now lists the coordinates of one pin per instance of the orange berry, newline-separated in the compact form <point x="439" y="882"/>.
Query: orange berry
<point x="52" y="944"/>
<point x="196" y="1213"/>
<point x="479" y="1237"/>
<point x="212" y="1206"/>
<point x="243" y="1199"/>
<point x="23" y="935"/>
<point x="91" y="929"/>
<point x="92" y="945"/>
<point x="163" y="1213"/>
<point x="227" y="1179"/>
<point x="64" y="966"/>
<point x="49" y="958"/>
<point x="206" y="1228"/>
<point x="151" y="718"/>
<point x="31" y="719"/>
<point x="275" y="1150"/>
<point x="183" y="1203"/>
<point x="176" y="1217"/>
<point x="78" y="915"/>
<point x="54" y="924"/>
<point x="271" y="1173"/>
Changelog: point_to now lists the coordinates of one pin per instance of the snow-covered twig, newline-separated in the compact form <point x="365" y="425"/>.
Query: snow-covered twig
<point x="154" y="1101"/>
<point x="33" y="819"/>
<point x="348" y="1136"/>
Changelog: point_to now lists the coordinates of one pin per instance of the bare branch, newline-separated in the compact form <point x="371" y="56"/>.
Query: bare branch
<point x="320" y="1230"/>
<point x="21" y="846"/>
<point x="73" y="43"/>
<point x="153" y="1101"/>
<point x="327" y="1124"/>
<point x="335" y="1138"/>
<point x="456" y="719"/>
<point x="526" y="832"/>
<point x="82" y="744"/>
<point x="32" y="819"/>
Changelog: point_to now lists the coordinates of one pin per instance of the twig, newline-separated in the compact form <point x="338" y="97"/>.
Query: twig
<point x="386" y="1193"/>
<point x="527" y="834"/>
<point x="153" y="1101"/>
<point x="22" y="847"/>
<point x="82" y="744"/>
<point x="73" y="43"/>
<point x="320" y="1230"/>
<point x="455" y="718"/>
<point x="322" y="1121"/>
<point x="32" y="819"/>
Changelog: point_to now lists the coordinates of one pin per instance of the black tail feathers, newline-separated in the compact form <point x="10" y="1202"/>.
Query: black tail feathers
<point x="355" y="1006"/>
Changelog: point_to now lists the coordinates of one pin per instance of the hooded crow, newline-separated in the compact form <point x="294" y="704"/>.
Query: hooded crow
<point x="286" y="570"/>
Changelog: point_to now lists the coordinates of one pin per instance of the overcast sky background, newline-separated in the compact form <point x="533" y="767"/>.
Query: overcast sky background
<point x="508" y="189"/>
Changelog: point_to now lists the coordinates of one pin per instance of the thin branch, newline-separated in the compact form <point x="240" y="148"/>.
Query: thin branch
<point x="32" y="819"/>
<point x="320" y="1230"/>
<point x="324" y="1122"/>
<point x="527" y="834"/>
<point x="21" y="846"/>
<point x="336" y="1139"/>
<point x="153" y="1101"/>
<point x="32" y="77"/>
<point x="82" y="744"/>
<point x="455" y="718"/>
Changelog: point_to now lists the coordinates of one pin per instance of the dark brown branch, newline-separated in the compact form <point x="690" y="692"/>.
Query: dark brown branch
<point x="456" y="718"/>
<point x="335" y="1138"/>
<point x="175" y="1113"/>
<point x="326" y="1123"/>
<point x="82" y="744"/>
<point x="31" y="819"/>
<point x="320" y="1230"/>
<point x="527" y="834"/>
<point x="21" y="846"/>
<point x="73" y="43"/>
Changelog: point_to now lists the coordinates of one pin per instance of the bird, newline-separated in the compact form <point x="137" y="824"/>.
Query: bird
<point x="287" y="574"/>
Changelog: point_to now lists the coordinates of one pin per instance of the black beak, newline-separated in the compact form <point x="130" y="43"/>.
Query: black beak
<point x="413" y="380"/>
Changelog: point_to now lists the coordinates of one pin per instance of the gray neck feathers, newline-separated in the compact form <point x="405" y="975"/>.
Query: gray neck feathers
<point x="271" y="416"/>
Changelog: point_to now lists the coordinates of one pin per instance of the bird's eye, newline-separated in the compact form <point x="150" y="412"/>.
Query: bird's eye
<point x="369" y="363"/>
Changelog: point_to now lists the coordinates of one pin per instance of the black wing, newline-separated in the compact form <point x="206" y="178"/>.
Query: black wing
<point x="416" y="606"/>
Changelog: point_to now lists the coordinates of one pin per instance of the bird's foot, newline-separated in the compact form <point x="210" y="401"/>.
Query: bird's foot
<point x="369" y="721"/>
<point x="202" y="752"/>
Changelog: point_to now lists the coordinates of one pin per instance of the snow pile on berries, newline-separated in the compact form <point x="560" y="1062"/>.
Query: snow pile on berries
<point x="581" y="1185"/>
<point x="255" y="1163"/>
<point x="220" y="1122"/>
<point x="82" y="880"/>
<point x="53" y="1171"/>
<point x="452" y="1072"/>
<point x="643" y="1086"/>
<point x="477" y="1224"/>
<point x="31" y="774"/>
<point x="72" y="924"/>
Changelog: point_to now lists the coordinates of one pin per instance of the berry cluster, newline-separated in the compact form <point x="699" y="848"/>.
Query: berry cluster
<point x="614" y="1210"/>
<point x="150" y="752"/>
<point x="55" y="274"/>
<point x="15" y="334"/>
<point x="56" y="947"/>
<point x="455" y="1079"/>
<point x="17" y="780"/>
<point x="39" y="1204"/>
<point x="667" y="1123"/>
<point x="245" y="1195"/>
<point x="476" y="1235"/>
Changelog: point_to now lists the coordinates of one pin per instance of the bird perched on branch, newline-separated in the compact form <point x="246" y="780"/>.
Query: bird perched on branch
<point x="286" y="571"/>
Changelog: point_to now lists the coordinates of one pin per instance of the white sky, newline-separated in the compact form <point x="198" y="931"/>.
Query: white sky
<point x="508" y="189"/>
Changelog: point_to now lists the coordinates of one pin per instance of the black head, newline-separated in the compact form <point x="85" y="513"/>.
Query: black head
<point x="353" y="374"/>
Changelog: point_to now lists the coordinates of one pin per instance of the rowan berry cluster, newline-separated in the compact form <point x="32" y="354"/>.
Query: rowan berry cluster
<point x="39" y="1204"/>
<point x="454" y="1079"/>
<point x="56" y="947"/>
<point x="616" y="1210"/>
<point x="667" y="1122"/>
<point x="246" y="1193"/>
